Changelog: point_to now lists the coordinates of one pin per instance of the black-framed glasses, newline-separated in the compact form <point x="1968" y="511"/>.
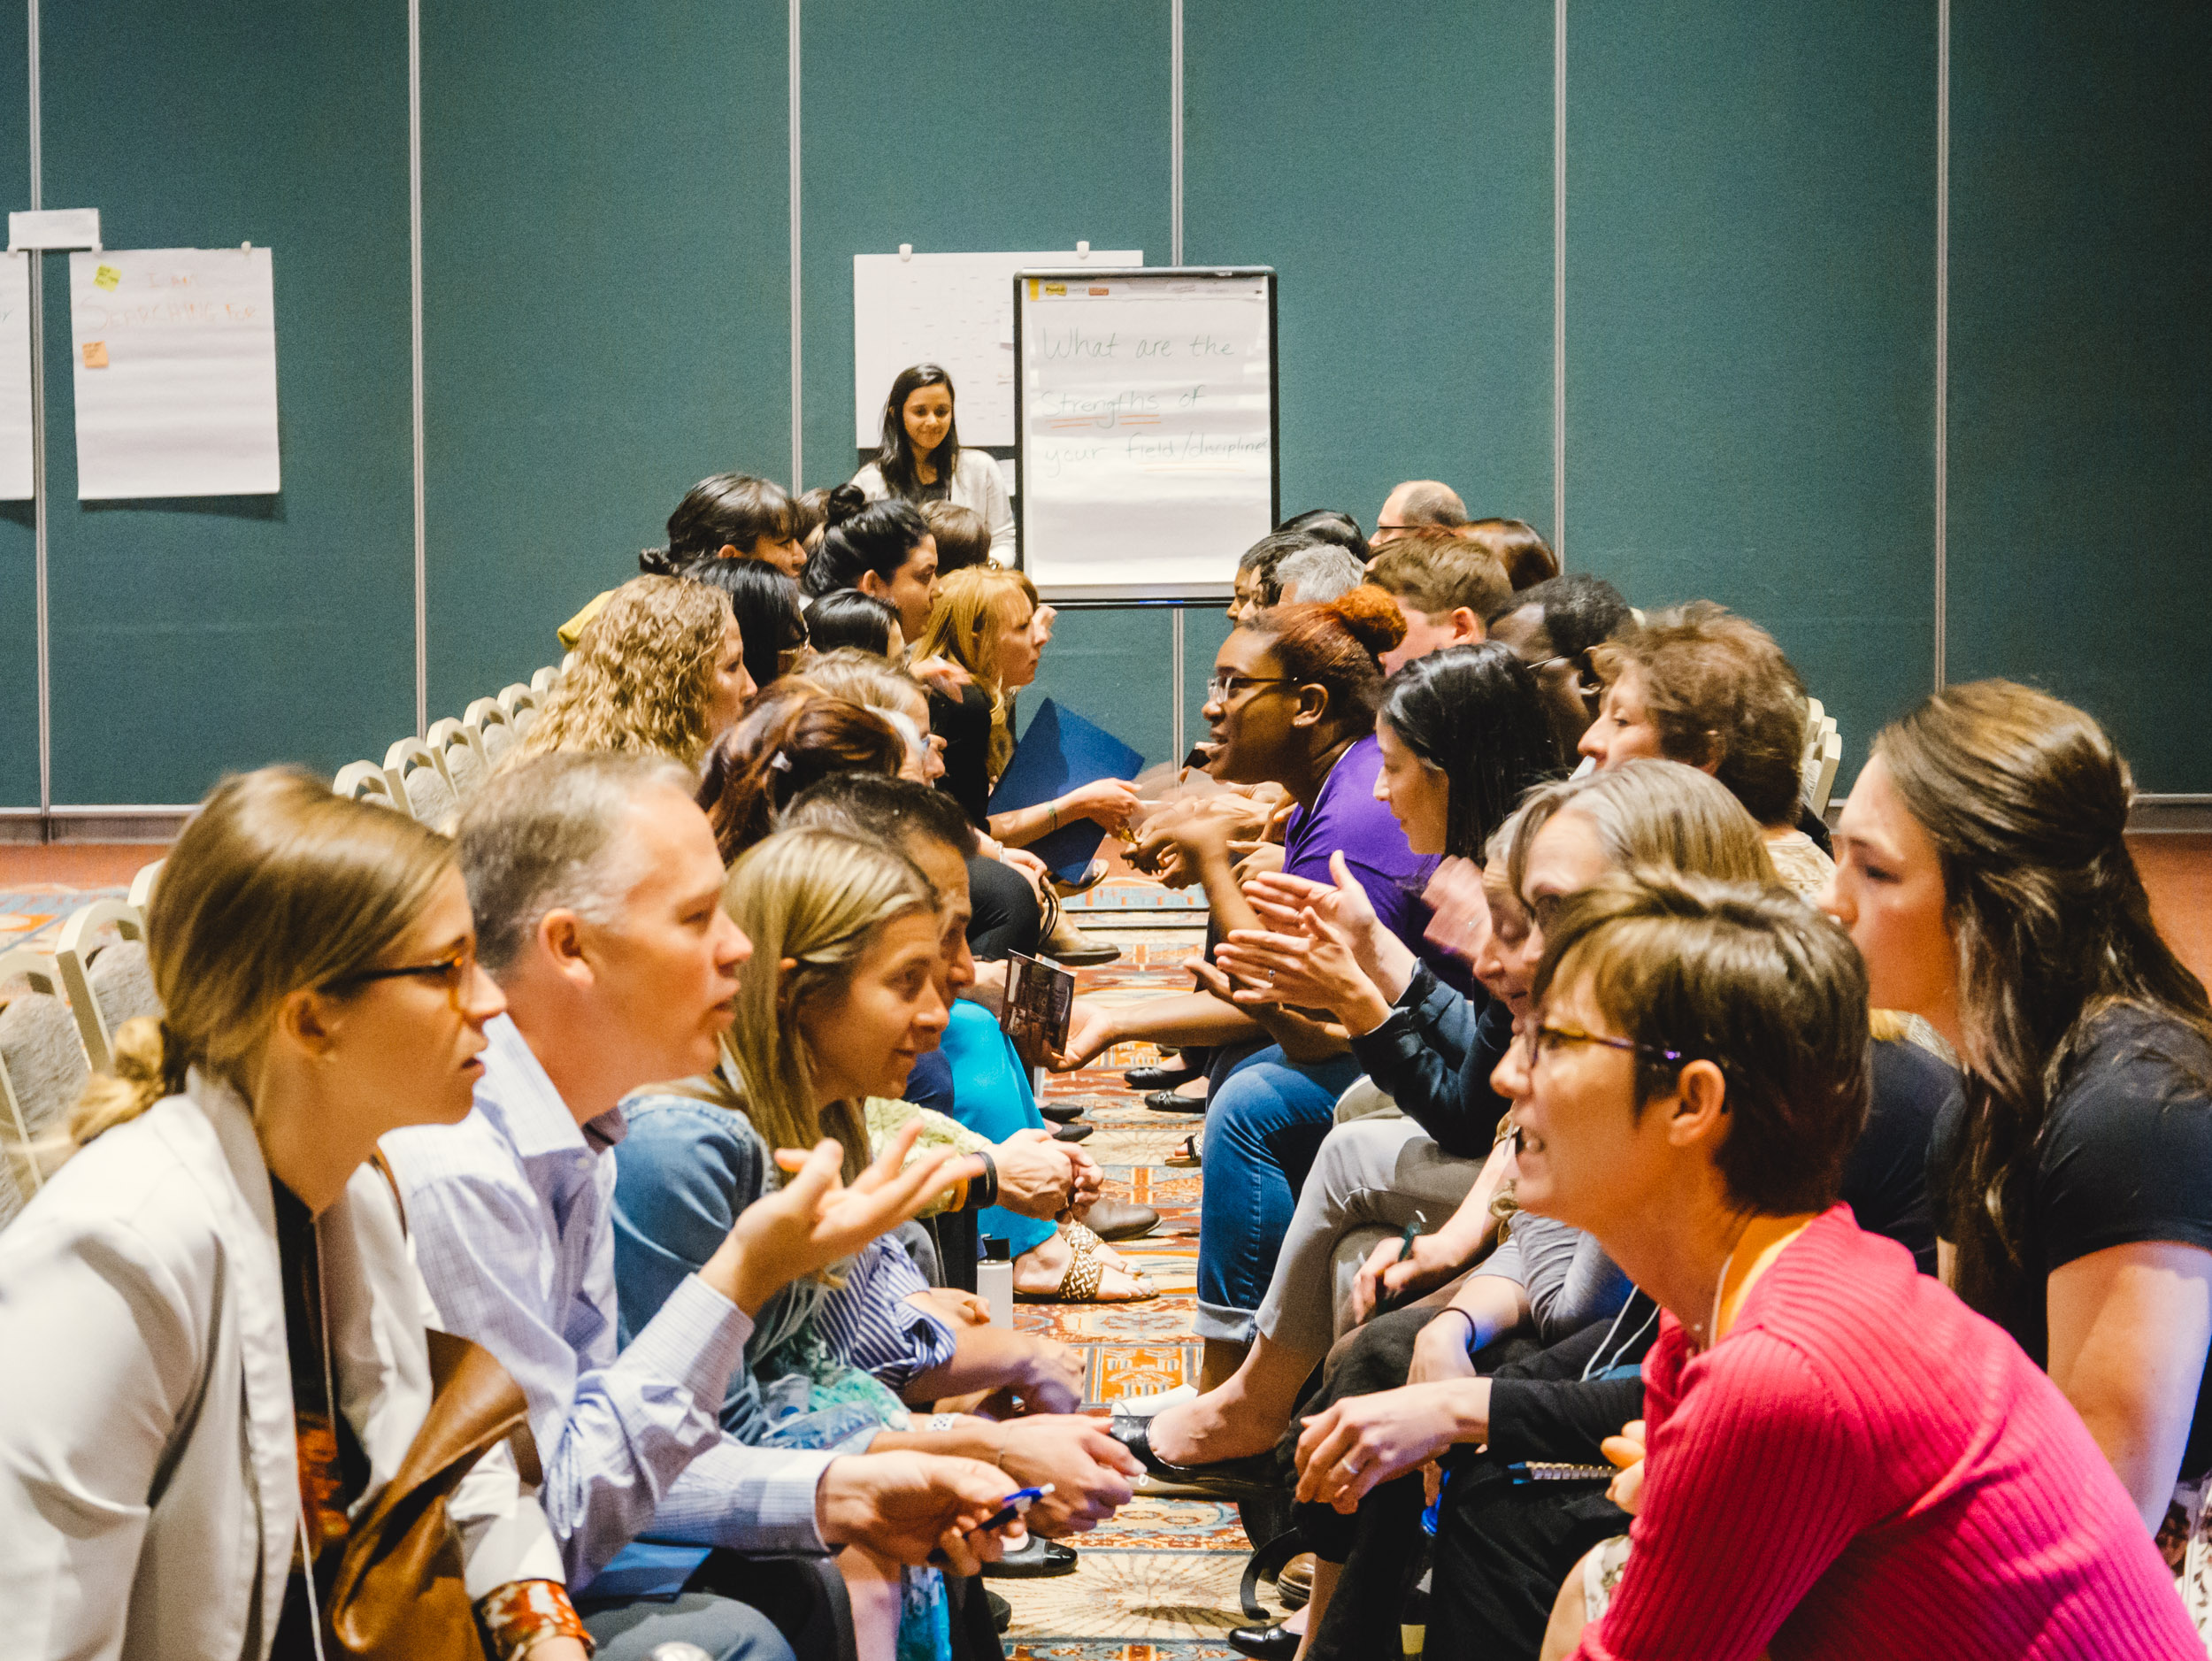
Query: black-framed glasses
<point x="1221" y="688"/>
<point x="1543" y="1039"/>
<point x="455" y="970"/>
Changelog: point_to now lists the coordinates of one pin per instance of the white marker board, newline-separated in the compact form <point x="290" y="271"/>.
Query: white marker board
<point x="1148" y="448"/>
<point x="15" y="377"/>
<point x="953" y="310"/>
<point x="174" y="355"/>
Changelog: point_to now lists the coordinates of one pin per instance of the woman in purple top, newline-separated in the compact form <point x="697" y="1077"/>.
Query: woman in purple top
<point x="1291" y="702"/>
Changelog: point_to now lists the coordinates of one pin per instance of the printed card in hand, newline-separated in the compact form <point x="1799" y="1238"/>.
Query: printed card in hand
<point x="1040" y="998"/>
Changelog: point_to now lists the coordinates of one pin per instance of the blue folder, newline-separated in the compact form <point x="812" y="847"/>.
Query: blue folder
<point x="1058" y="752"/>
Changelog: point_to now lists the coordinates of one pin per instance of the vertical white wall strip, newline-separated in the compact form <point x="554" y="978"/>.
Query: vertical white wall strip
<point x="1175" y="629"/>
<point x="1942" y="339"/>
<point x="414" y="278"/>
<point x="38" y="464"/>
<point x="1175" y="168"/>
<point x="1559" y="279"/>
<point x="798" y="396"/>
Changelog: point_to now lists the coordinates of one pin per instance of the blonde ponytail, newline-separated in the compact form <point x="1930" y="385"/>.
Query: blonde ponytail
<point x="275" y="885"/>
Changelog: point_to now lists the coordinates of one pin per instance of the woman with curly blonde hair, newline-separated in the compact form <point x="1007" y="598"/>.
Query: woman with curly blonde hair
<point x="662" y="667"/>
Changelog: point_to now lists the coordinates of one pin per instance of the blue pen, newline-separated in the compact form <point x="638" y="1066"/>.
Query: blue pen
<point x="1017" y="1503"/>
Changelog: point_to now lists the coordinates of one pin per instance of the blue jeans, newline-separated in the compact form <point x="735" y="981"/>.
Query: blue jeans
<point x="1265" y="1123"/>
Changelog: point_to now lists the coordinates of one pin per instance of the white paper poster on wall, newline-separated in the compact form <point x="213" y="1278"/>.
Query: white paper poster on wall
<point x="174" y="355"/>
<point x="15" y="377"/>
<point x="953" y="310"/>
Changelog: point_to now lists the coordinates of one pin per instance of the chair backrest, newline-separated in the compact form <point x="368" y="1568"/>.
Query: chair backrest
<point x="1821" y="783"/>
<point x="142" y="894"/>
<point x="568" y="663"/>
<point x="516" y="698"/>
<point x="486" y="717"/>
<point x="465" y="762"/>
<point x="417" y="776"/>
<point x="43" y="1071"/>
<point x="545" y="680"/>
<point x="108" y="983"/>
<point x="364" y="781"/>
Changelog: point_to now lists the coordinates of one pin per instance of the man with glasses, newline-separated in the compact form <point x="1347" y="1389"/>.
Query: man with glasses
<point x="1417" y="504"/>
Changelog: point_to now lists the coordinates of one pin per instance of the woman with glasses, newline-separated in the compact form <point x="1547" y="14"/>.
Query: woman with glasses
<point x="214" y="1326"/>
<point x="1293" y="701"/>
<point x="1840" y="1460"/>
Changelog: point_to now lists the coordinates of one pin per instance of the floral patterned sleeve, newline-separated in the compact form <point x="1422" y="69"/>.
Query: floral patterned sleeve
<point x="524" y="1613"/>
<point x="886" y="1118"/>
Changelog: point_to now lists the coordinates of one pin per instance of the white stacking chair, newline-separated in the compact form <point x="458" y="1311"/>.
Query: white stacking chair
<point x="43" y="1071"/>
<point x="1808" y="757"/>
<point x="545" y="681"/>
<point x="521" y="704"/>
<point x="141" y="892"/>
<point x="463" y="751"/>
<point x="1822" y="784"/>
<point x="486" y="717"/>
<point x="418" y="778"/>
<point x="568" y="663"/>
<point x="364" y="781"/>
<point x="108" y="982"/>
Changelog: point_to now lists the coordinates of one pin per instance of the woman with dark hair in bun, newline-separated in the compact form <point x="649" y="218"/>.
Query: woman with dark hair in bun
<point x="1291" y="702"/>
<point x="883" y="549"/>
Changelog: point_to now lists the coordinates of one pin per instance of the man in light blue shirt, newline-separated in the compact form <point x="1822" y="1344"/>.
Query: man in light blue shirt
<point x="596" y="890"/>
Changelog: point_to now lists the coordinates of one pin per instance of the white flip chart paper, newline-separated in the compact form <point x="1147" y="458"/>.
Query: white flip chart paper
<point x="15" y="377"/>
<point x="174" y="354"/>
<point x="953" y="309"/>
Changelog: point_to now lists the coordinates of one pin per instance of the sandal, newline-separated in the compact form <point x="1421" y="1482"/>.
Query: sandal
<point x="1186" y="1154"/>
<point x="1079" y="1283"/>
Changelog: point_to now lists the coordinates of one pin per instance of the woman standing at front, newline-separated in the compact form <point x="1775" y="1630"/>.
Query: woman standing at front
<point x="181" y="1303"/>
<point x="921" y="460"/>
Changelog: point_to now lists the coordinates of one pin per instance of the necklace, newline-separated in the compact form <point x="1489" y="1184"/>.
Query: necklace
<point x="1698" y="1329"/>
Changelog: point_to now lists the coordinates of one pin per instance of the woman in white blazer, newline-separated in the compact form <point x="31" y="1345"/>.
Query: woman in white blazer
<point x="920" y="458"/>
<point x="316" y="962"/>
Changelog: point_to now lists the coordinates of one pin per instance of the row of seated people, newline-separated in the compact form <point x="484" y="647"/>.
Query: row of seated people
<point x="753" y="903"/>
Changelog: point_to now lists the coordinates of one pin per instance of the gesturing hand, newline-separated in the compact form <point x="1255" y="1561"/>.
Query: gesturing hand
<point x="1036" y="1175"/>
<point x="1361" y="1441"/>
<point x="1626" y="1451"/>
<point x="1388" y="1273"/>
<point x="1312" y="969"/>
<point x="905" y="1505"/>
<point x="939" y="675"/>
<point x="814" y="1220"/>
<point x="1090" y="1030"/>
<point x="1090" y="1472"/>
<point x="1461" y="923"/>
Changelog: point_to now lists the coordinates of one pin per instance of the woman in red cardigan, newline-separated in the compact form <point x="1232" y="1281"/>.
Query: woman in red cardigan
<point x="1843" y="1460"/>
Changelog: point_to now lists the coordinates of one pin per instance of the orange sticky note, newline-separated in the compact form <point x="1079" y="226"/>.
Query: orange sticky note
<point x="96" y="354"/>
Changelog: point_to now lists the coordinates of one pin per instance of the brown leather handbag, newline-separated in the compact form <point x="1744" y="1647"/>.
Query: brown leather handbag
<point x="398" y="1594"/>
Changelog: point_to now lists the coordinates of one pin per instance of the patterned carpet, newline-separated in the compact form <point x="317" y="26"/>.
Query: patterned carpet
<point x="1158" y="1583"/>
<point x="32" y="913"/>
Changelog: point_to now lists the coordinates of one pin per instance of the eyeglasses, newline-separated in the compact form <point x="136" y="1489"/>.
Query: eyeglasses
<point x="455" y="971"/>
<point x="1221" y="688"/>
<point x="1543" y="1039"/>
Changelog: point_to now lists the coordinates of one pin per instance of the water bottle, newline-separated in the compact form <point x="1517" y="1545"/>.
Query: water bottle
<point x="994" y="1280"/>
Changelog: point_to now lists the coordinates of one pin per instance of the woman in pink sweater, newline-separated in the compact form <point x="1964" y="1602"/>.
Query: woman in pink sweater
<point x="1843" y="1460"/>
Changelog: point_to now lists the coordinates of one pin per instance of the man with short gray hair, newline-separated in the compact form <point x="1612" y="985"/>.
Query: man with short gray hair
<point x="598" y="894"/>
<point x="1315" y="575"/>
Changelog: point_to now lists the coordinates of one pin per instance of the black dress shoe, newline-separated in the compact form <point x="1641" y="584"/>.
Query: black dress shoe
<point x="1061" y="1112"/>
<point x="1169" y="1102"/>
<point x="1118" y="1219"/>
<point x="1256" y="1473"/>
<point x="1157" y="1077"/>
<point x="1072" y="1133"/>
<point x="1037" y="1560"/>
<point x="1273" y="1643"/>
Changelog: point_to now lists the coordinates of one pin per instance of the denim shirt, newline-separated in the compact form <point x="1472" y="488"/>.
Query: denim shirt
<point x="687" y="1168"/>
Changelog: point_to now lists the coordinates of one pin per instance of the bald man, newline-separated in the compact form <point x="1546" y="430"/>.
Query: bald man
<point x="1416" y="503"/>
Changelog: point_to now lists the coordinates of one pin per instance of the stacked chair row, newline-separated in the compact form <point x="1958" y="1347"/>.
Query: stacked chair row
<point x="430" y="777"/>
<point x="59" y="1029"/>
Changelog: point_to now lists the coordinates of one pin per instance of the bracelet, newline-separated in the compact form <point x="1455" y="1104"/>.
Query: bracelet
<point x="523" y="1614"/>
<point x="1052" y="816"/>
<point x="1454" y="1309"/>
<point x="983" y="1190"/>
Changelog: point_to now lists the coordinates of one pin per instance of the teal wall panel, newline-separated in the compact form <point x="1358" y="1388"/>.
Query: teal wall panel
<point x="607" y="300"/>
<point x="194" y="635"/>
<point x="2081" y="365"/>
<point x="1114" y="668"/>
<point x="1395" y="168"/>
<point x="19" y="552"/>
<point x="1751" y="315"/>
<point x="1000" y="125"/>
